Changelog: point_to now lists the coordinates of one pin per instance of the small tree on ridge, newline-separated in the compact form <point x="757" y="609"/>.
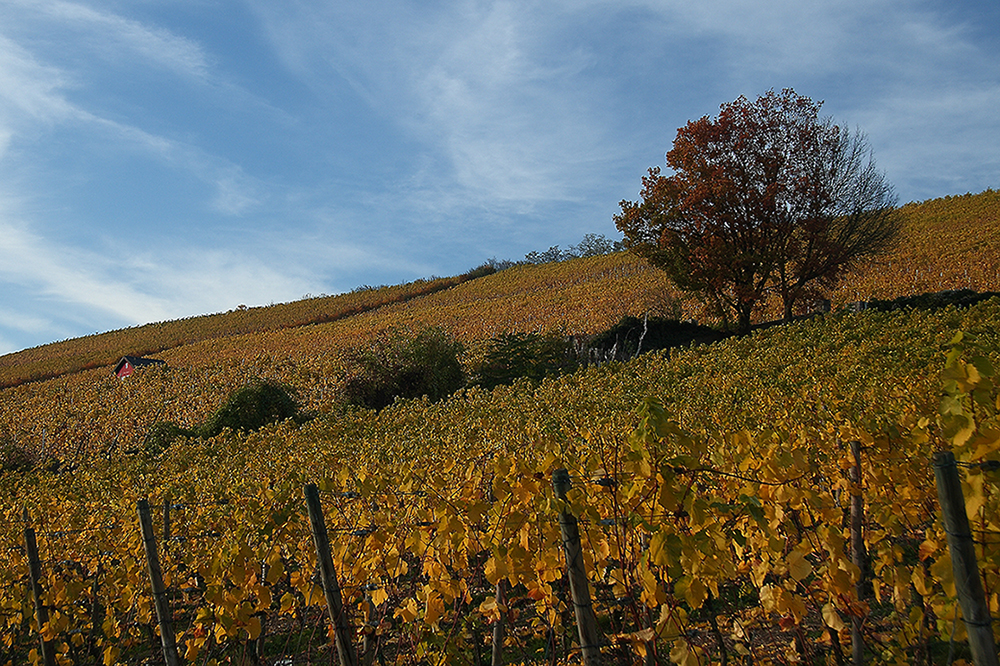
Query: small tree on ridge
<point x="765" y="198"/>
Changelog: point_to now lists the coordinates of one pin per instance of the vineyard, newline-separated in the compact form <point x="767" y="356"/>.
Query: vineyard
<point x="713" y="485"/>
<point x="99" y="350"/>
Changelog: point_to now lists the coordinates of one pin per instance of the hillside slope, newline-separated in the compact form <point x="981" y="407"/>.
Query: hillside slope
<point x="102" y="349"/>
<point x="736" y="487"/>
<point x="948" y="243"/>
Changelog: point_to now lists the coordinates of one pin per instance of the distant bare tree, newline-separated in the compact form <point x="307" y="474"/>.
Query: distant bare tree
<point x="851" y="217"/>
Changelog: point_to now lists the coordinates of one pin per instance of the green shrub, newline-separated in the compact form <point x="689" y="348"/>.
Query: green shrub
<point x="532" y="355"/>
<point x="162" y="434"/>
<point x="19" y="456"/>
<point x="479" y="271"/>
<point x="425" y="365"/>
<point x="253" y="407"/>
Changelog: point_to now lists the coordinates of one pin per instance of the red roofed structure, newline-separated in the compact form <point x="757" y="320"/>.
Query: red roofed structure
<point x="128" y="365"/>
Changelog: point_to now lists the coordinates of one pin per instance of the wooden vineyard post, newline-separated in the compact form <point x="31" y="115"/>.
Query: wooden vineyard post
<point x="499" y="629"/>
<point x="261" y="642"/>
<point x="369" y="641"/>
<point x="35" y="570"/>
<point x="162" y="604"/>
<point x="859" y="554"/>
<point x="579" y="586"/>
<point x="96" y="611"/>
<point x="968" y="585"/>
<point x="342" y="628"/>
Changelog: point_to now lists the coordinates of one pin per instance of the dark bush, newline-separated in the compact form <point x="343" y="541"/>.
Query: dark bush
<point x="488" y="267"/>
<point x="484" y="269"/>
<point x="162" y="434"/>
<point x="632" y="336"/>
<point x="15" y="457"/>
<point x="20" y="456"/>
<point x="530" y="355"/>
<point x="253" y="407"/>
<point x="426" y="365"/>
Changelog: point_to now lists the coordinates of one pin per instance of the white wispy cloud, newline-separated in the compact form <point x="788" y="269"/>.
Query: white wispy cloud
<point x="114" y="37"/>
<point x="21" y="321"/>
<point x="234" y="193"/>
<point x="937" y="141"/>
<point x="475" y="82"/>
<point x="35" y="95"/>
<point x="211" y="280"/>
<point x="511" y="116"/>
<point x="68" y="275"/>
<point x="29" y="90"/>
<point x="131" y="285"/>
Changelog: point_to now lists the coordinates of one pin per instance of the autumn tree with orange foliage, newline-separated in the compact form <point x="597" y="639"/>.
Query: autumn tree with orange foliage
<point x="766" y="198"/>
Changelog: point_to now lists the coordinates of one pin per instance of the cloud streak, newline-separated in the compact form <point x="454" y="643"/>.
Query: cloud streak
<point x="71" y="288"/>
<point x="34" y="96"/>
<point x="28" y="89"/>
<point x="112" y="36"/>
<point x="477" y="85"/>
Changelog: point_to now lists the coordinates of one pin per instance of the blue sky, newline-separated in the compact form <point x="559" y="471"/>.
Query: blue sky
<point x="166" y="158"/>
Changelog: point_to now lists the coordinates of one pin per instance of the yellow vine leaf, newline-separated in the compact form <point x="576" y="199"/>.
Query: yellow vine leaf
<point x="987" y="442"/>
<point x="379" y="596"/>
<point x="263" y="597"/>
<point x="490" y="608"/>
<point x="927" y="548"/>
<point x="798" y="566"/>
<point x="434" y="609"/>
<point x="695" y="593"/>
<point x="975" y="498"/>
<point x="682" y="654"/>
<point x="48" y="632"/>
<point x="653" y="594"/>
<point x="920" y="582"/>
<point x="276" y="569"/>
<point x="832" y="618"/>
<point x="839" y="581"/>
<point x="767" y="597"/>
<point x="408" y="611"/>
<point x="253" y="627"/>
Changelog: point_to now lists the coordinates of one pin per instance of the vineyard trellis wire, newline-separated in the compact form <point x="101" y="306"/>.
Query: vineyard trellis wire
<point x="620" y="559"/>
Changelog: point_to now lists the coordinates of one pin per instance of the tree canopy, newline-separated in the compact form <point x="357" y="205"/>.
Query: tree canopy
<point x="765" y="198"/>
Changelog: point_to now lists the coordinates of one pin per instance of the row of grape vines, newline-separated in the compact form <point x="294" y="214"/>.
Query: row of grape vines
<point x="710" y="483"/>
<point x="106" y="348"/>
<point x="84" y="414"/>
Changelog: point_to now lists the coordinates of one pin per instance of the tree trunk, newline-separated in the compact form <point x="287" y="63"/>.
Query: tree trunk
<point x="788" y="302"/>
<point x="743" y="325"/>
